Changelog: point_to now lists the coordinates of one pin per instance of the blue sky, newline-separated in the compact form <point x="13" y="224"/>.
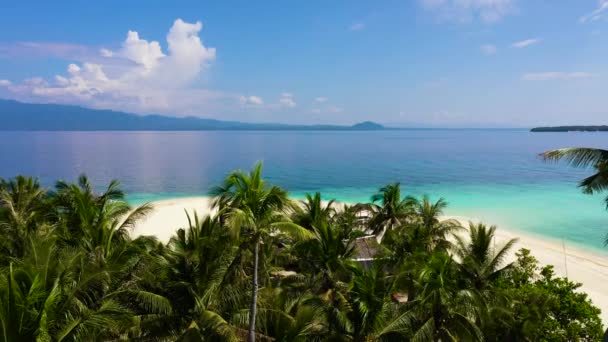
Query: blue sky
<point x="453" y="63"/>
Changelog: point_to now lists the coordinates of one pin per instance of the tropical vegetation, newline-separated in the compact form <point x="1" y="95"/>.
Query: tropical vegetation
<point x="264" y="267"/>
<point x="584" y="157"/>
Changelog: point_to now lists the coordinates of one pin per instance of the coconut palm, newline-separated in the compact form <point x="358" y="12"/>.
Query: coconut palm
<point x="585" y="157"/>
<point x="286" y="316"/>
<point x="62" y="294"/>
<point x="428" y="229"/>
<point x="352" y="218"/>
<point x="312" y="211"/>
<point x="480" y="262"/>
<point x="440" y="309"/>
<point x="328" y="257"/>
<point x="95" y="220"/>
<point x="392" y="210"/>
<point x="376" y="315"/>
<point x="23" y="211"/>
<point x="255" y="211"/>
<point x="22" y="202"/>
<point x="197" y="278"/>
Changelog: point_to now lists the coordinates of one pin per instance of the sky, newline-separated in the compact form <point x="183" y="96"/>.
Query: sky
<point x="424" y="63"/>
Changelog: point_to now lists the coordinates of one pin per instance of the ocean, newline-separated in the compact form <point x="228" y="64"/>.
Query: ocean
<point x="491" y="174"/>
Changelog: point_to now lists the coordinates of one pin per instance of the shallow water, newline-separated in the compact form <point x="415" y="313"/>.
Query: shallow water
<point x="494" y="175"/>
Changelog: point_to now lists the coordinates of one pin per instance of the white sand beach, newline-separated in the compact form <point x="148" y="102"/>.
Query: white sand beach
<point x="584" y="266"/>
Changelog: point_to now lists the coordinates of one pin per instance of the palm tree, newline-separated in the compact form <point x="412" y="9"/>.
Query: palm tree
<point x="428" y="229"/>
<point x="61" y="294"/>
<point x="23" y="211"/>
<point x="585" y="157"/>
<point x="375" y="314"/>
<point x="95" y="220"/>
<point x="285" y="316"/>
<point x="392" y="210"/>
<point x="197" y="278"/>
<point x="480" y="262"/>
<point x="256" y="211"/>
<point x="328" y="257"/>
<point x="313" y="212"/>
<point x="440" y="309"/>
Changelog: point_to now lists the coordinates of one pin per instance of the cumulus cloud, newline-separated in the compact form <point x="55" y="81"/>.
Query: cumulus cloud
<point x="285" y="100"/>
<point x="468" y="10"/>
<point x="139" y="76"/>
<point x="556" y="75"/>
<point x="321" y="99"/>
<point x="251" y="100"/>
<point x="488" y="49"/>
<point x="600" y="12"/>
<point x="5" y="83"/>
<point x="105" y="52"/>
<point x="525" y="43"/>
<point x="141" y="51"/>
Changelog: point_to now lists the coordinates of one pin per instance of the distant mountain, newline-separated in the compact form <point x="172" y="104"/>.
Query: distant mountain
<point x="367" y="126"/>
<point x="571" y="129"/>
<point x="18" y="116"/>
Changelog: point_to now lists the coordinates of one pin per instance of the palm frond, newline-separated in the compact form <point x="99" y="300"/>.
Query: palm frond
<point x="577" y="156"/>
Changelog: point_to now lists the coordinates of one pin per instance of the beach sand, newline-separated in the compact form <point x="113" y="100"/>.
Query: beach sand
<point x="578" y="264"/>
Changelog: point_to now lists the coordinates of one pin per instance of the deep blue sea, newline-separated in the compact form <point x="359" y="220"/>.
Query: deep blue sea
<point x="494" y="175"/>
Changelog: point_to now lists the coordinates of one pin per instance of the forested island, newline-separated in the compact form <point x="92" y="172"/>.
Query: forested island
<point x="571" y="129"/>
<point x="264" y="267"/>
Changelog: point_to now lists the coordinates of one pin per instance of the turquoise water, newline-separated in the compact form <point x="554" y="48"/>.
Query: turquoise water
<point x="494" y="175"/>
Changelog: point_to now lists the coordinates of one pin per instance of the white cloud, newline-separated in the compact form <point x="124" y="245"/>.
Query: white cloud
<point x="357" y="27"/>
<point x="525" y="43"/>
<point x="488" y="49"/>
<point x="600" y="12"/>
<point x="287" y="100"/>
<point x="251" y="100"/>
<point x="137" y="77"/>
<point x="556" y="75"/>
<point x="5" y="83"/>
<point x="468" y="10"/>
<point x="327" y="109"/>
<point x="106" y="52"/>
<point x="73" y="69"/>
<point x="321" y="106"/>
<point x="141" y="51"/>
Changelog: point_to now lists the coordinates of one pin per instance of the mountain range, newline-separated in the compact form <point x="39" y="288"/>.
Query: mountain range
<point x="19" y="116"/>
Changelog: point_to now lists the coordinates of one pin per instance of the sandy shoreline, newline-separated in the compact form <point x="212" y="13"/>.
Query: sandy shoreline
<point x="580" y="265"/>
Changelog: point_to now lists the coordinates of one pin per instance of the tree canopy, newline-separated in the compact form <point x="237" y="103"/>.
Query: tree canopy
<point x="269" y="268"/>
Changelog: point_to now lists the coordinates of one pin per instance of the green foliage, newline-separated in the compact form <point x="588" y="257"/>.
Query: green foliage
<point x="585" y="157"/>
<point x="545" y="307"/>
<point x="267" y="269"/>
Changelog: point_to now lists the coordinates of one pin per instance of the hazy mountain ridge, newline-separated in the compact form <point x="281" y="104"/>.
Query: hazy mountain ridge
<point x="16" y="115"/>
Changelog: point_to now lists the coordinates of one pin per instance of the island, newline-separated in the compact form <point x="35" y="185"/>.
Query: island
<point x="571" y="129"/>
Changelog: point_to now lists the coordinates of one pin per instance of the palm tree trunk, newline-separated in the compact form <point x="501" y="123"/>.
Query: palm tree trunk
<point x="254" y="293"/>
